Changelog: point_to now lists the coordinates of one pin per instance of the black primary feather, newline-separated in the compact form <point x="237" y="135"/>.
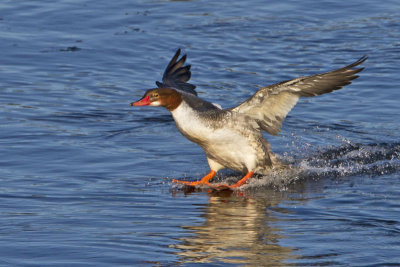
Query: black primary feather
<point x="176" y="75"/>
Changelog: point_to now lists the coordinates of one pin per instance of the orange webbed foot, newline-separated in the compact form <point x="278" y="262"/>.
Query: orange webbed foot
<point x="235" y="186"/>
<point x="203" y="181"/>
<point x="189" y="183"/>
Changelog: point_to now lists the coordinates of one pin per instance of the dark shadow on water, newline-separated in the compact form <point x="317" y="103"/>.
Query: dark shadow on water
<point x="353" y="159"/>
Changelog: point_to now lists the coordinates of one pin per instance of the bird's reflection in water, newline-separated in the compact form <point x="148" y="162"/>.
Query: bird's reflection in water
<point x="239" y="228"/>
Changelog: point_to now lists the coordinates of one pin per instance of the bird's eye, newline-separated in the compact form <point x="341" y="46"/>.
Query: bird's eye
<point x="155" y="95"/>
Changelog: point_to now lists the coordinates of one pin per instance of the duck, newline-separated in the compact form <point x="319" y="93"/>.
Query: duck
<point x="233" y="137"/>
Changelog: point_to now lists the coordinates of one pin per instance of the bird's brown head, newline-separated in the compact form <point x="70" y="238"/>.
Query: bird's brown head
<point x="165" y="97"/>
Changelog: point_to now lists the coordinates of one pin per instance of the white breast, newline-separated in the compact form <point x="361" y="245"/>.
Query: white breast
<point x="190" y="123"/>
<point x="227" y="146"/>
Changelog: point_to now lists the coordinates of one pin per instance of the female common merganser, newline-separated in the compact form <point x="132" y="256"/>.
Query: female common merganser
<point x="232" y="138"/>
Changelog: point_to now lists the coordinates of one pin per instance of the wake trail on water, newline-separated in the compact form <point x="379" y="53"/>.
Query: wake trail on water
<point x="349" y="159"/>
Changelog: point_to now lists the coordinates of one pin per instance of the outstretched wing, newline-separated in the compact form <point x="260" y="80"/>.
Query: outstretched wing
<point x="270" y="105"/>
<point x="176" y="75"/>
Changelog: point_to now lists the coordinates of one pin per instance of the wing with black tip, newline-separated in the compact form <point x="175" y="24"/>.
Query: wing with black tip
<point x="270" y="105"/>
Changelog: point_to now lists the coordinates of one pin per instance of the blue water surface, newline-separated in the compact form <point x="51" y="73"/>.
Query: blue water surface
<point x="85" y="180"/>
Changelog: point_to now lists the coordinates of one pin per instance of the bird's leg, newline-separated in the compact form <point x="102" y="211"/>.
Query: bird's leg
<point x="238" y="184"/>
<point x="203" y="180"/>
<point x="243" y="180"/>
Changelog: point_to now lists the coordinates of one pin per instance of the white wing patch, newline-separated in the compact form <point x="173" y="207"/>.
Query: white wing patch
<point x="269" y="111"/>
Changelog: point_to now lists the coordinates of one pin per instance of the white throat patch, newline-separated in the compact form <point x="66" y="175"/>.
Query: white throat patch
<point x="155" y="104"/>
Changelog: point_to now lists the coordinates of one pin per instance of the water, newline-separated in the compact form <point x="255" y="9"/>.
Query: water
<point x="85" y="180"/>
